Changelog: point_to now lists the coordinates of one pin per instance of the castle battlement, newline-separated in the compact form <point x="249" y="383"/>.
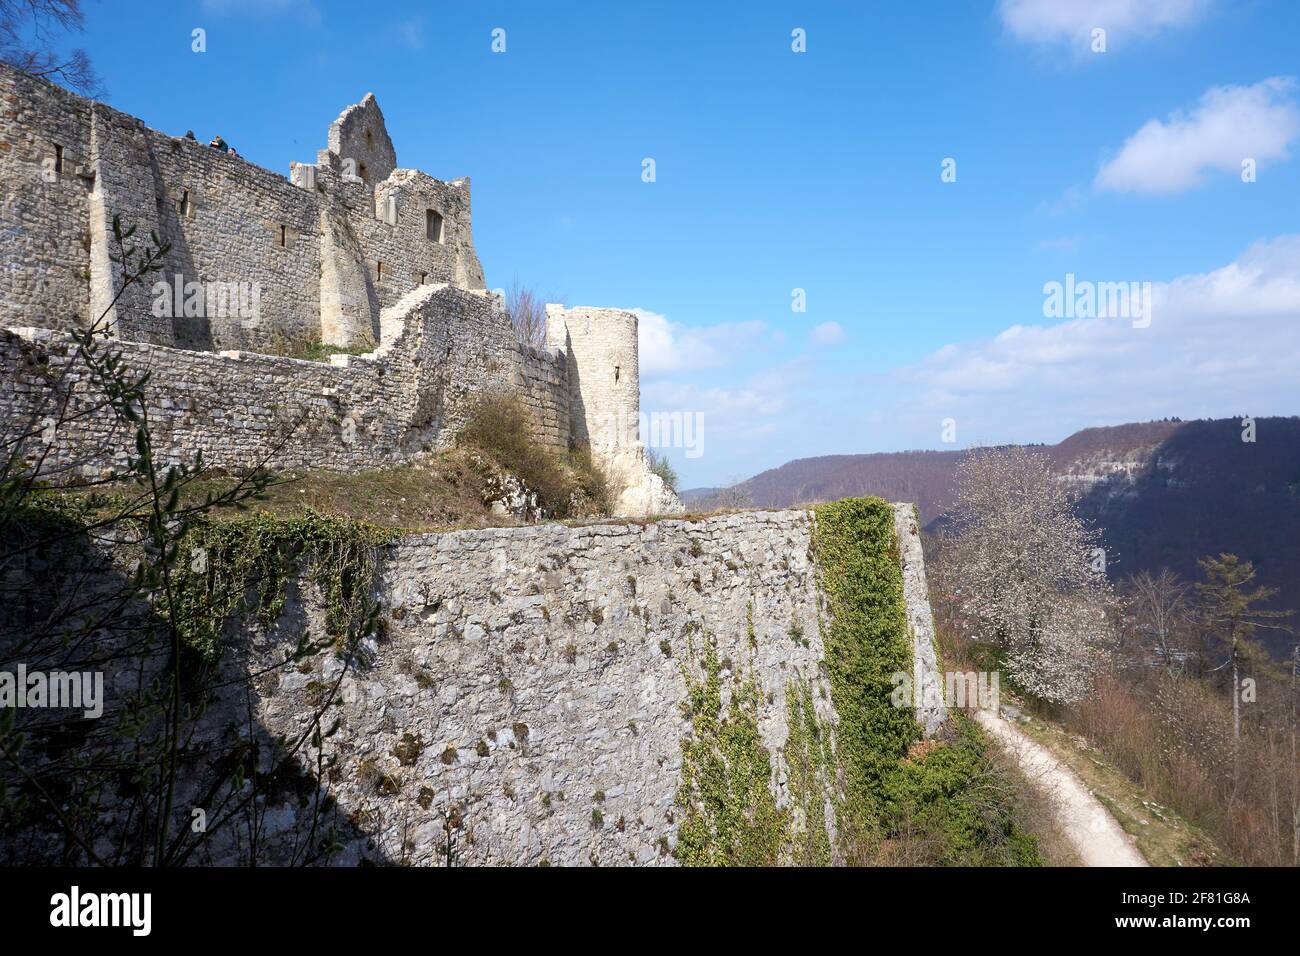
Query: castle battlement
<point x="351" y="251"/>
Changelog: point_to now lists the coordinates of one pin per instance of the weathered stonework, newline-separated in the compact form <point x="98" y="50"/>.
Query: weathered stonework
<point x="350" y="251"/>
<point x="74" y="164"/>
<point x="531" y="681"/>
<point x="604" y="381"/>
<point x="927" y="680"/>
<point x="356" y="412"/>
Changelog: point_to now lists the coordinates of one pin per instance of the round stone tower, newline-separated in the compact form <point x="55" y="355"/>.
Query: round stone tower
<point x="600" y="348"/>
<point x="604" y="381"/>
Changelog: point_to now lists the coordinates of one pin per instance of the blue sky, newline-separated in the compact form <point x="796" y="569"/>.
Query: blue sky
<point x="820" y="170"/>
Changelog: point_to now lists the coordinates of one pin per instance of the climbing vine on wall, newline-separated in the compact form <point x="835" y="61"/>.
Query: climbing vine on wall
<point x="867" y="640"/>
<point x="946" y="794"/>
<point x="942" y="801"/>
<point x="729" y="815"/>
<point x="245" y="566"/>
<point x="810" y="760"/>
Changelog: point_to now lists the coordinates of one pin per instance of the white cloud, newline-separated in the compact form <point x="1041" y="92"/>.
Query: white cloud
<point x="411" y="32"/>
<point x="828" y="333"/>
<point x="1221" y="342"/>
<point x="1218" y="343"/>
<point x="748" y="410"/>
<point x="1072" y="21"/>
<point x="667" y="347"/>
<point x="1231" y="123"/>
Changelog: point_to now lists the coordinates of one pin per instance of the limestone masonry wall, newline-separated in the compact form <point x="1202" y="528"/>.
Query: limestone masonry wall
<point x="70" y="165"/>
<point x="356" y="412"/>
<point x="600" y="350"/>
<point x="44" y="211"/>
<point x="530" y="685"/>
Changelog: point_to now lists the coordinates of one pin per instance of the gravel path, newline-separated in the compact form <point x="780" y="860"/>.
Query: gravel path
<point x="1097" y="838"/>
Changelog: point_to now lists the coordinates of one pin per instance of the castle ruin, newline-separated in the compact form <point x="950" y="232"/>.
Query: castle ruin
<point x="525" y="695"/>
<point x="350" y="251"/>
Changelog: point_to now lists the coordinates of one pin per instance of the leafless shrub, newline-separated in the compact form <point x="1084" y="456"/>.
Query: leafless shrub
<point x="527" y="312"/>
<point x="1159" y="611"/>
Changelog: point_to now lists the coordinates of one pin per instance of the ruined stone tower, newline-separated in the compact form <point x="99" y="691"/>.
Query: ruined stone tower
<point x="604" y="382"/>
<point x="600" y="346"/>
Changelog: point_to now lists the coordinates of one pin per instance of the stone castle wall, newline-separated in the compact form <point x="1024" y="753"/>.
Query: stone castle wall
<point x="600" y="350"/>
<point x="529" y="691"/>
<point x="356" y="412"/>
<point x="604" y="370"/>
<point x="44" y="212"/>
<point x="227" y="220"/>
<point x="349" y="251"/>
<point x="531" y="684"/>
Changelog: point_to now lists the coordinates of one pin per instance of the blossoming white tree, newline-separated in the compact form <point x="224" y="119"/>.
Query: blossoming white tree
<point x="1026" y="573"/>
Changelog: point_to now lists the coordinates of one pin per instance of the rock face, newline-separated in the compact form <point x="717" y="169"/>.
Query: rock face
<point x="649" y="496"/>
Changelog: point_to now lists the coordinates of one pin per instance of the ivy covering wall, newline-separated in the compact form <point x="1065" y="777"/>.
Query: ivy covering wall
<point x="882" y="783"/>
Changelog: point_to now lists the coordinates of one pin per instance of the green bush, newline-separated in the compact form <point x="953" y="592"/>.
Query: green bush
<point x="952" y="800"/>
<point x="659" y="465"/>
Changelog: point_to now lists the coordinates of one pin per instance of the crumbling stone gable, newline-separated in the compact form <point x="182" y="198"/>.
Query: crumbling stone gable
<point x="361" y="136"/>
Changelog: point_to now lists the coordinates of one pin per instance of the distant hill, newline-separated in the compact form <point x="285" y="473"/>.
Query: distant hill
<point x="1164" y="493"/>
<point x="922" y="477"/>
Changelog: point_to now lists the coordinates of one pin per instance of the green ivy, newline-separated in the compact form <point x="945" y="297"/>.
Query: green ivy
<point x="808" y="755"/>
<point x="245" y="566"/>
<point x="867" y="641"/>
<point x="729" y="815"/>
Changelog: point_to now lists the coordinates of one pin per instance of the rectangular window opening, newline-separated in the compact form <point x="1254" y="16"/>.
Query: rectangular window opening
<point x="433" y="225"/>
<point x="58" y="158"/>
<point x="284" y="236"/>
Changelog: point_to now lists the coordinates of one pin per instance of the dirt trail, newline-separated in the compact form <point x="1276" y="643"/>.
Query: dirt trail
<point x="1097" y="838"/>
